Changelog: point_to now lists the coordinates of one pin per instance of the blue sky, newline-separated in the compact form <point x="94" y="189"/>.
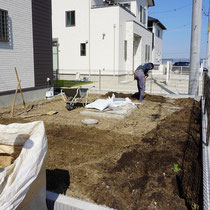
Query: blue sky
<point x="176" y="16"/>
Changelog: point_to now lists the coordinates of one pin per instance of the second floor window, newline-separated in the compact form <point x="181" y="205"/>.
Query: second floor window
<point x="158" y="33"/>
<point x="70" y="18"/>
<point x="125" y="49"/>
<point x="144" y="16"/>
<point x="141" y="14"/>
<point x="4" y="30"/>
<point x="82" y="49"/>
<point x="147" y="53"/>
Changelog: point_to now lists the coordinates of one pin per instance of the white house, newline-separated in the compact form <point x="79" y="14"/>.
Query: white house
<point x="108" y="35"/>
<point x="25" y="43"/>
<point x="157" y="28"/>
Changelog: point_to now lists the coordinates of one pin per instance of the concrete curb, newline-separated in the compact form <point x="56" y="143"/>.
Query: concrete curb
<point x="61" y="202"/>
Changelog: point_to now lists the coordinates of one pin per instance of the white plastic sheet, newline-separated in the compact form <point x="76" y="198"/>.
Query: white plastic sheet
<point x="112" y="102"/>
<point x="16" y="179"/>
<point x="120" y="103"/>
<point x="99" y="104"/>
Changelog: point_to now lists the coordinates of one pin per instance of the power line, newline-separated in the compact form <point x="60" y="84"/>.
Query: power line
<point x="179" y="28"/>
<point x="175" y="30"/>
<point x="172" y="10"/>
<point x="205" y="13"/>
<point x="187" y="24"/>
<point x="204" y="10"/>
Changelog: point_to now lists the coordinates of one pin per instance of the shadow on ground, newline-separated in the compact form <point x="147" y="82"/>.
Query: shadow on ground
<point x="58" y="180"/>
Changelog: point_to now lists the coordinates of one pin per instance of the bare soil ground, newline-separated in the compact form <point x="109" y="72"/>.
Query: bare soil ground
<point x="124" y="163"/>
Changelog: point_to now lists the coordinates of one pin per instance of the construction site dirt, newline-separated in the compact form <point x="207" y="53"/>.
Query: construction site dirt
<point x="149" y="160"/>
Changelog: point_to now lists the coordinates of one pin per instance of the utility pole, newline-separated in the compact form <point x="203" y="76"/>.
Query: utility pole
<point x="208" y="44"/>
<point x="195" y="48"/>
<point x="89" y="8"/>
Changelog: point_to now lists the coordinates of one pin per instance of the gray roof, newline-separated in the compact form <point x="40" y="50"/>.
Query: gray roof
<point x="154" y="20"/>
<point x="151" y="3"/>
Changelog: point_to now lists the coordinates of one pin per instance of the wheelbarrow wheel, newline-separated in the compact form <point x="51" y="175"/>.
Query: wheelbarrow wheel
<point x="70" y="106"/>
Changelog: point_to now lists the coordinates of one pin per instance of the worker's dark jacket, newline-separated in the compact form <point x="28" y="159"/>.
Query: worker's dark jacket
<point x="145" y="68"/>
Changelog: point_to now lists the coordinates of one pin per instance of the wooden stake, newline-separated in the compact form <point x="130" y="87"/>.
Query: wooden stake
<point x="13" y="105"/>
<point x="18" y="87"/>
<point x="24" y="104"/>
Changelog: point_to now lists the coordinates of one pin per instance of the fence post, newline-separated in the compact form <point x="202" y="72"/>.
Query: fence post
<point x="168" y="72"/>
<point x="99" y="80"/>
<point x="151" y="83"/>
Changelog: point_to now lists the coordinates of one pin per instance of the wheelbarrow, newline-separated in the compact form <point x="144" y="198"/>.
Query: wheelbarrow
<point x="74" y="95"/>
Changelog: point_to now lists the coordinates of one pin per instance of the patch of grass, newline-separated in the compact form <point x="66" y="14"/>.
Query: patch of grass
<point x="68" y="83"/>
<point x="176" y="168"/>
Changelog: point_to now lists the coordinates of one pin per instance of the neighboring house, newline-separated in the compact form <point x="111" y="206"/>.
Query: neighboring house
<point x="107" y="35"/>
<point x="157" y="28"/>
<point x="25" y="43"/>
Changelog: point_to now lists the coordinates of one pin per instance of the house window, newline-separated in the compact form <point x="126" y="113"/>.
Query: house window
<point x="82" y="49"/>
<point x="153" y="40"/>
<point x="144" y="16"/>
<point x="4" y="32"/>
<point x="158" y="33"/>
<point x="147" y="53"/>
<point x="70" y="18"/>
<point x="125" y="49"/>
<point x="141" y="13"/>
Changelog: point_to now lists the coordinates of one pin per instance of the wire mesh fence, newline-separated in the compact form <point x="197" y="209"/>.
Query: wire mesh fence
<point x="160" y="80"/>
<point x="206" y="97"/>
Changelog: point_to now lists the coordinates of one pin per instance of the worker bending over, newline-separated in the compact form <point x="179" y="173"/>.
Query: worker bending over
<point x="140" y="73"/>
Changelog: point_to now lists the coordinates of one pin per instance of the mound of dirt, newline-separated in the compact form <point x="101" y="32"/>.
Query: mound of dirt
<point x="122" y="95"/>
<point x="155" y="98"/>
<point x="147" y="97"/>
<point x="183" y="102"/>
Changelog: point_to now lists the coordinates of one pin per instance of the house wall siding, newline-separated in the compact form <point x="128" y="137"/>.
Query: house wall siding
<point x="108" y="31"/>
<point x="157" y="51"/>
<point x="69" y="38"/>
<point x="145" y="39"/>
<point x="18" y="52"/>
<point x="105" y="48"/>
<point x="42" y="41"/>
<point x="125" y="34"/>
<point x="128" y="29"/>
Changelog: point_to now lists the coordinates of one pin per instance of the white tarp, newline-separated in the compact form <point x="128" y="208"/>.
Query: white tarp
<point x="16" y="179"/>
<point x="99" y="104"/>
<point x="112" y="102"/>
